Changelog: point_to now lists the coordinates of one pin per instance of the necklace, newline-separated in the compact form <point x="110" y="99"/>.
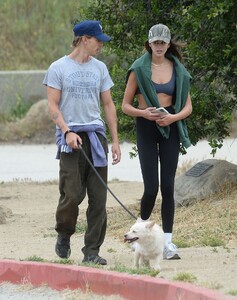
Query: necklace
<point x="159" y="65"/>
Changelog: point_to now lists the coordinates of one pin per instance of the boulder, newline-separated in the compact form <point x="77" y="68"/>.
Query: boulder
<point x="204" y="179"/>
<point x="4" y="213"/>
<point x="36" y="127"/>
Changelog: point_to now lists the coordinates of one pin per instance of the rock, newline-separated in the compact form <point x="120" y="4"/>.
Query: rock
<point x="193" y="188"/>
<point x="4" y="213"/>
<point x="2" y="217"/>
<point x="36" y="127"/>
<point x="36" y="119"/>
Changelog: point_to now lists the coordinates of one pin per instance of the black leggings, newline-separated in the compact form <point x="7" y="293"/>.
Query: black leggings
<point x="152" y="145"/>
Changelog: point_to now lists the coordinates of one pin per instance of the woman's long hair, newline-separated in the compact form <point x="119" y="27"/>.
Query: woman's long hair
<point x="173" y="48"/>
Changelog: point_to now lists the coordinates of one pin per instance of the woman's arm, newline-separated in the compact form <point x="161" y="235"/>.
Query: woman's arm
<point x="186" y="111"/>
<point x="168" y="119"/>
<point x="127" y="103"/>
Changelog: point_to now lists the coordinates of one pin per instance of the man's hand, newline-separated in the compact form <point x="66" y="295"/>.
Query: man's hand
<point x="73" y="140"/>
<point x="116" y="153"/>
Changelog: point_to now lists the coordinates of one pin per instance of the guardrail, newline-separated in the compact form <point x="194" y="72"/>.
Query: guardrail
<point x="20" y="86"/>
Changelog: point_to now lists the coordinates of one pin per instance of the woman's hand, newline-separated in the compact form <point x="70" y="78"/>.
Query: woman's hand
<point x="150" y="113"/>
<point x="161" y="118"/>
<point x="165" y="119"/>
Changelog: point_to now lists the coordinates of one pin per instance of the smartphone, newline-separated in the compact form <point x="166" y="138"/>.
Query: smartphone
<point x="162" y="110"/>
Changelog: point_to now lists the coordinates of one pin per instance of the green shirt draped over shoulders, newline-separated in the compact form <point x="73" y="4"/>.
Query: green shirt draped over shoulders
<point x="142" y="70"/>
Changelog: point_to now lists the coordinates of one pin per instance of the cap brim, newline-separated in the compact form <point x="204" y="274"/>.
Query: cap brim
<point x="159" y="38"/>
<point x="103" y="37"/>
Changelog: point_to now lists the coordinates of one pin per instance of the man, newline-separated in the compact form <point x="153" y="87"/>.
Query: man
<point x="77" y="85"/>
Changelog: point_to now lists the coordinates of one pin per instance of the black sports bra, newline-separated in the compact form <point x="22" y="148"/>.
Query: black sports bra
<point x="167" y="88"/>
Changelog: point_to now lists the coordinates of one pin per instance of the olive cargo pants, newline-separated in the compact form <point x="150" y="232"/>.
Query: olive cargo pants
<point x="76" y="178"/>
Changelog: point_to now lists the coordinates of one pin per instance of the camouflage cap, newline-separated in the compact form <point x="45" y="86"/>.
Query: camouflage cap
<point x="159" y="32"/>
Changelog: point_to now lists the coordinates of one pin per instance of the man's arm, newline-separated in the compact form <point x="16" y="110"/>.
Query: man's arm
<point x="54" y="96"/>
<point x="111" y="120"/>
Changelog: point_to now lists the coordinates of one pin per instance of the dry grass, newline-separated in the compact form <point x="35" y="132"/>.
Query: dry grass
<point x="26" y="290"/>
<point x="208" y="222"/>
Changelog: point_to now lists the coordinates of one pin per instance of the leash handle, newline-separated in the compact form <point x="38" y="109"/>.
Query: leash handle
<point x="105" y="185"/>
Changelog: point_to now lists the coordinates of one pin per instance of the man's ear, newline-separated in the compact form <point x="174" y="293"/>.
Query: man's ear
<point x="84" y="39"/>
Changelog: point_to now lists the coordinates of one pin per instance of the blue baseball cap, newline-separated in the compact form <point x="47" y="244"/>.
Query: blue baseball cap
<point x="90" y="28"/>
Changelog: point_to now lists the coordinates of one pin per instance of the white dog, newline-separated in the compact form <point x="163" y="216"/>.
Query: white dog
<point x="148" y="240"/>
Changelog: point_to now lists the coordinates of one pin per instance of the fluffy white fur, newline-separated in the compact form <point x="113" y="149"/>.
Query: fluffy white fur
<point x="148" y="240"/>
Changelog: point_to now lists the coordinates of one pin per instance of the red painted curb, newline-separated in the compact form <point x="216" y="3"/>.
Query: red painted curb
<point x="102" y="282"/>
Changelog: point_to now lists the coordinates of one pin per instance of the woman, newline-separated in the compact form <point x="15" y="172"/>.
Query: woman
<point x="159" y="79"/>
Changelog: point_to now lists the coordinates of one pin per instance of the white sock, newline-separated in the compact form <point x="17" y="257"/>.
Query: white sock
<point x="168" y="238"/>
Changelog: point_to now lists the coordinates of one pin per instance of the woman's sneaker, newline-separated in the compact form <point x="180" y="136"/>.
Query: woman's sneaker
<point x="170" y="252"/>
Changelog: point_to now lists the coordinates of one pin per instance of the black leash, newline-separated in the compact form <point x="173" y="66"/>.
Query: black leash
<point x="105" y="185"/>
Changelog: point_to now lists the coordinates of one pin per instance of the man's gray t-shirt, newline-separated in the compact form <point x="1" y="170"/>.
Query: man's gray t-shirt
<point x="80" y="86"/>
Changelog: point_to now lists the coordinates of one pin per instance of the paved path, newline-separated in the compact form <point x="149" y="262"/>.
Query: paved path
<point x="38" y="163"/>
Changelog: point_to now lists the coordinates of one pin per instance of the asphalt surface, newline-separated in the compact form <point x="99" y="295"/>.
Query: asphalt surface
<point x="38" y="163"/>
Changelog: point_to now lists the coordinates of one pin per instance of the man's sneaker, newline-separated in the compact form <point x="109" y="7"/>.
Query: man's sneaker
<point x="62" y="247"/>
<point x="170" y="252"/>
<point x="95" y="259"/>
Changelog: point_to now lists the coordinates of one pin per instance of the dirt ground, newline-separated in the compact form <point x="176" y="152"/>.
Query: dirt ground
<point x="29" y="232"/>
<point x="29" y="207"/>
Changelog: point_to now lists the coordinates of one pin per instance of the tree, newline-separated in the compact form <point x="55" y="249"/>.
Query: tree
<point x="208" y="27"/>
